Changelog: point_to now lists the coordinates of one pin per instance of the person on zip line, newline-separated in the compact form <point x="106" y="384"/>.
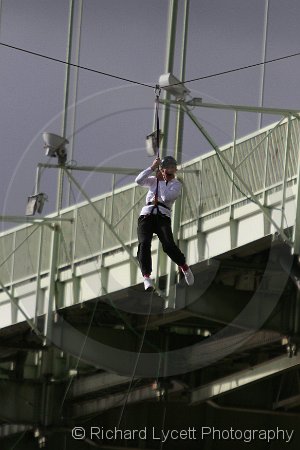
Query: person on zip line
<point x="155" y="217"/>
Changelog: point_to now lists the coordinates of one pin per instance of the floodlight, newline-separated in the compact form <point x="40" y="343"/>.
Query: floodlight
<point x="151" y="142"/>
<point x="55" y="146"/>
<point x="35" y="203"/>
<point x="169" y="82"/>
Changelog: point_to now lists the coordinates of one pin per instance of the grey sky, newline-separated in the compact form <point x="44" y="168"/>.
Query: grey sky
<point x="128" y="38"/>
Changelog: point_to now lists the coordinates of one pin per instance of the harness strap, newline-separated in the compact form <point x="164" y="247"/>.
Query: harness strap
<point x="158" y="204"/>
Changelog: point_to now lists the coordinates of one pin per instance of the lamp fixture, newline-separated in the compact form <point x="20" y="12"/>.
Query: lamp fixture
<point x="55" y="146"/>
<point x="172" y="85"/>
<point x="152" y="144"/>
<point x="35" y="203"/>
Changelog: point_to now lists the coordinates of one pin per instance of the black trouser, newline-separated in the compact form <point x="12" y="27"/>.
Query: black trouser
<point x="161" y="225"/>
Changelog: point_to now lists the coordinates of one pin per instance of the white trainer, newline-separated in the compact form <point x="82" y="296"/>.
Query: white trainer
<point x="189" y="277"/>
<point x="148" y="283"/>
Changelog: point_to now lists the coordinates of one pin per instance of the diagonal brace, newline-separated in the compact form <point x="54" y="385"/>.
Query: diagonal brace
<point x="109" y="226"/>
<point x="260" y="142"/>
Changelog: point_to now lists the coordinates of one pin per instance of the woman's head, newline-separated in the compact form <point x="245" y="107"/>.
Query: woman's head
<point x="168" y="167"/>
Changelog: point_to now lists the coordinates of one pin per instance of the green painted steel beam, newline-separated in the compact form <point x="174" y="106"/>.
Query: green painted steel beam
<point x="255" y="109"/>
<point x="243" y="378"/>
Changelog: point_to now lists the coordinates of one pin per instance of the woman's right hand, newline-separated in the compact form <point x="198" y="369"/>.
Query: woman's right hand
<point x="155" y="164"/>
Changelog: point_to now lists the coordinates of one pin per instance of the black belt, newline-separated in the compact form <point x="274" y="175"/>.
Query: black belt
<point x="158" y="204"/>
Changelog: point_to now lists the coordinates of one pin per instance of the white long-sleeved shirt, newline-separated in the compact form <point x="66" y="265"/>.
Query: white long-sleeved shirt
<point x="167" y="192"/>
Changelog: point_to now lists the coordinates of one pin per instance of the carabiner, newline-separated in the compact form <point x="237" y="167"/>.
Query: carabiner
<point x="157" y="90"/>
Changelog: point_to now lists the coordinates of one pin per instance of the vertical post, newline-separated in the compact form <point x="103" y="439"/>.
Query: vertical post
<point x="38" y="276"/>
<point x="52" y="282"/>
<point x="0" y="15"/>
<point x="133" y="268"/>
<point x="112" y="197"/>
<point x="75" y="281"/>
<point x="285" y="170"/>
<point x="60" y="176"/>
<point x="267" y="224"/>
<point x="180" y="112"/>
<point x="296" y="233"/>
<point x="233" y="158"/>
<point x="60" y="179"/>
<point x="76" y="57"/>
<point x="266" y="166"/>
<point x="170" y="291"/>
<point x="103" y="270"/>
<point x="200" y="235"/>
<point x="171" y="37"/>
<point x="232" y="222"/>
<point x="14" y="310"/>
<point x="264" y="54"/>
<point x="68" y="68"/>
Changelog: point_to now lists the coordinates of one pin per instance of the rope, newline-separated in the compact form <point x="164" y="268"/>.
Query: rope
<point x="136" y="363"/>
<point x="157" y="93"/>
<point x="18" y="440"/>
<point x="118" y="314"/>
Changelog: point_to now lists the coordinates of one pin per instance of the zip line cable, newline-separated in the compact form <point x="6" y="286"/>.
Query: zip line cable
<point x="99" y="72"/>
<point x="250" y="66"/>
<point x="61" y="61"/>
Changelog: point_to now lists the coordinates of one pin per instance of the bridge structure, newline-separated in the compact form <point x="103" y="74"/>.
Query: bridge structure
<point x="73" y="312"/>
<point x="89" y="250"/>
